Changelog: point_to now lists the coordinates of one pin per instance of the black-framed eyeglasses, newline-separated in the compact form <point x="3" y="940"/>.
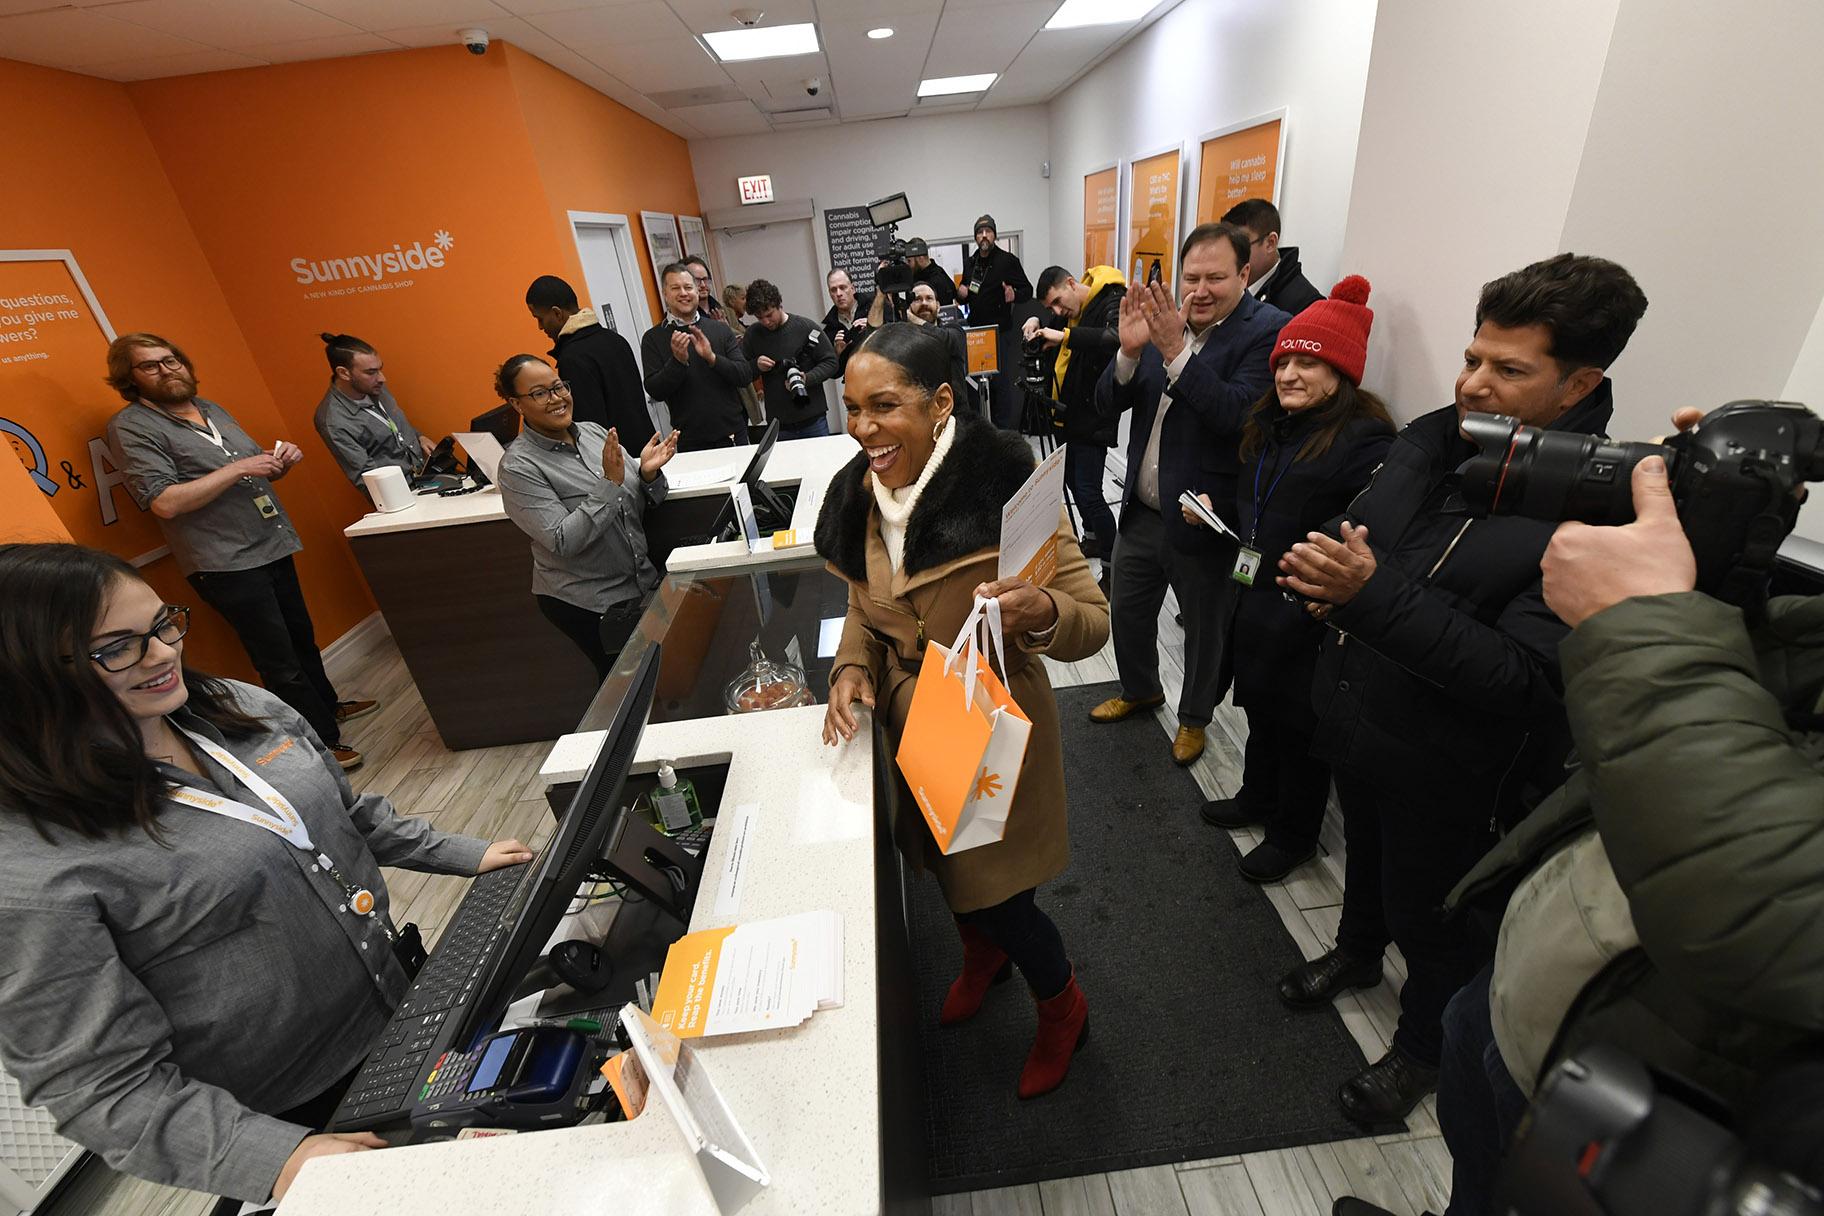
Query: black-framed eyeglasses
<point x="169" y="627"/>
<point x="545" y="392"/>
<point x="170" y="363"/>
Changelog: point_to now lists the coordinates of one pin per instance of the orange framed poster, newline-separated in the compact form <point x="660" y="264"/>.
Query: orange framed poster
<point x="1152" y="216"/>
<point x="1240" y="162"/>
<point x="1101" y="208"/>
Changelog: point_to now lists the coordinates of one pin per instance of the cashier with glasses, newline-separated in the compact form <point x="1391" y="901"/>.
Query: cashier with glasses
<point x="358" y="420"/>
<point x="582" y="498"/>
<point x="198" y="948"/>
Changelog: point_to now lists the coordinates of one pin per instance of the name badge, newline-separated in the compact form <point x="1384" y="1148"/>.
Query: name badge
<point x="1247" y="565"/>
<point x="268" y="508"/>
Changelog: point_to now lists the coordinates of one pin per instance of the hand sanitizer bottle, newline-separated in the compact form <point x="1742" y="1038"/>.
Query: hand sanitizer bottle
<point x="674" y="802"/>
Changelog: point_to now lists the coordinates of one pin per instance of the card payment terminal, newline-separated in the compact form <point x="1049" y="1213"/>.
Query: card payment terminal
<point x="517" y="1078"/>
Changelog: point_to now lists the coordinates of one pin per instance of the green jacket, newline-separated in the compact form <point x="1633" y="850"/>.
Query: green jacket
<point x="1691" y="930"/>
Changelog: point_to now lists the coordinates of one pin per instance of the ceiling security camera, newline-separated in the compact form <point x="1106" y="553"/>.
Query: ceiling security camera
<point x="475" y="40"/>
<point x="812" y="86"/>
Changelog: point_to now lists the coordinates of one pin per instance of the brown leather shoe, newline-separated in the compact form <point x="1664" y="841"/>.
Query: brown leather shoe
<point x="1116" y="708"/>
<point x="347" y="711"/>
<point x="347" y="757"/>
<point x="1188" y="745"/>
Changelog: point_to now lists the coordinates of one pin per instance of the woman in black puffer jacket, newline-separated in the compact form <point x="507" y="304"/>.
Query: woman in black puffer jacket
<point x="1309" y="447"/>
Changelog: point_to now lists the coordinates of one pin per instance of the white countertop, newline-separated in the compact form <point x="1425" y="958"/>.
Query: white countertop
<point x="808" y="1098"/>
<point x="808" y="462"/>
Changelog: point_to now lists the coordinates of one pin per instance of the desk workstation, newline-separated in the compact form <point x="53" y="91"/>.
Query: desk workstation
<point x="452" y="577"/>
<point x="830" y="1107"/>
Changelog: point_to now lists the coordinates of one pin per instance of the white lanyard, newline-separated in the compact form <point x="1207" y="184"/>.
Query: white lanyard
<point x="277" y="816"/>
<point x="385" y="419"/>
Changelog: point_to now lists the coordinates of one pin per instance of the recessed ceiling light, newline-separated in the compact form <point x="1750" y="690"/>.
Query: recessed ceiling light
<point x="944" y="86"/>
<point x="1073" y="14"/>
<point x="885" y="31"/>
<point x="763" y="42"/>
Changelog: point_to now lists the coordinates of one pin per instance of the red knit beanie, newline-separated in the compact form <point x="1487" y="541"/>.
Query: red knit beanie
<point x="1334" y="330"/>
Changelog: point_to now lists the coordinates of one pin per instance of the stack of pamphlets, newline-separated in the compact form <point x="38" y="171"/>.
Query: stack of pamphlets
<point x="767" y="975"/>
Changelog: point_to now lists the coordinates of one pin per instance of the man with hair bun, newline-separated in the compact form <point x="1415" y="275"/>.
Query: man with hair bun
<point x="358" y="420"/>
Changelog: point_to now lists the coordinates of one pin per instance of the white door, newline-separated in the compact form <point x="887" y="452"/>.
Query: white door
<point x="611" y="277"/>
<point x="782" y="253"/>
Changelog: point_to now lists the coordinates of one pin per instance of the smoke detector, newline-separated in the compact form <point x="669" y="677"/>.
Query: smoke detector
<point x="748" y="17"/>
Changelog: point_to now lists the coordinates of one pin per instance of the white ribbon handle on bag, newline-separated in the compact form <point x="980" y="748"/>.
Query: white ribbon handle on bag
<point x="984" y="616"/>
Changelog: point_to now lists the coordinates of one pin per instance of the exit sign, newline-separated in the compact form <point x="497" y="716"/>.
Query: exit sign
<point x="756" y="189"/>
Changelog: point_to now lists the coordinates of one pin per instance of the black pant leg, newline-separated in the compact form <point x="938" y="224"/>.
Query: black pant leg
<point x="618" y="624"/>
<point x="1427" y="848"/>
<point x="303" y="634"/>
<point x="249" y="601"/>
<point x="581" y="626"/>
<point x="1136" y="593"/>
<point x="1029" y="937"/>
<point x="1084" y="465"/>
<point x="1303" y="789"/>
<point x="1362" y="930"/>
<point x="1259" y="791"/>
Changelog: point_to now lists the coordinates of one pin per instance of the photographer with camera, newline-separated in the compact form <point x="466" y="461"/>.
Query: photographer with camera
<point x="1437" y="699"/>
<point x="696" y="365"/>
<point x="1666" y="898"/>
<point x="993" y="281"/>
<point x="794" y="359"/>
<point x="1090" y="308"/>
<point x="846" y="324"/>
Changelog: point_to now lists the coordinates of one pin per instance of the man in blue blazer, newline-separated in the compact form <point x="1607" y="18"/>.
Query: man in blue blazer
<point x="1190" y="373"/>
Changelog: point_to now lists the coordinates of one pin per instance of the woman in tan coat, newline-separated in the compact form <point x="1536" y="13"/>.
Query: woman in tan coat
<point x="913" y="525"/>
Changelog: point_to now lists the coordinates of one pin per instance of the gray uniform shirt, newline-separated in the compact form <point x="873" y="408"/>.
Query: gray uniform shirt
<point x="357" y="435"/>
<point x="588" y="533"/>
<point x="243" y="528"/>
<point x="157" y="997"/>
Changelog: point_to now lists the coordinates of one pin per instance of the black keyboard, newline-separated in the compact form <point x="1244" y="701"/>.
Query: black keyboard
<point x="388" y="1084"/>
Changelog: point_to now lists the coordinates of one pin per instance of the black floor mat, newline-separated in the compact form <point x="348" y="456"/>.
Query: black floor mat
<point x="1190" y="1054"/>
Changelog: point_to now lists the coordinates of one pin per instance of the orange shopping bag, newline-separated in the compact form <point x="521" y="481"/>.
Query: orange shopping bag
<point x="964" y="738"/>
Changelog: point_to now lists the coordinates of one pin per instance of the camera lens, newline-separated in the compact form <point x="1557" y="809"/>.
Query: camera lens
<point x="1550" y="475"/>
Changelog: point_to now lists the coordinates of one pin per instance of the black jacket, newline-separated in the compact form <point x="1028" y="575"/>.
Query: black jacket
<point x="705" y="401"/>
<point x="801" y="340"/>
<point x="1278" y="501"/>
<point x="942" y="285"/>
<point x="1441" y="681"/>
<point x="604" y="382"/>
<point x="1094" y="341"/>
<point x="986" y="276"/>
<point x="1199" y="448"/>
<point x="832" y="325"/>
<point x="1288" y="289"/>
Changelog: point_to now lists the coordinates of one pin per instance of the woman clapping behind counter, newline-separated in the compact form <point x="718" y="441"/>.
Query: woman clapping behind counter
<point x="913" y="525"/>
<point x="582" y="498"/>
<point x="198" y="947"/>
<point x="1308" y="448"/>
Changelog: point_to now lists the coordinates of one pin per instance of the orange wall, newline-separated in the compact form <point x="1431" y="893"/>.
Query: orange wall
<point x="99" y="190"/>
<point x="25" y="513"/>
<point x="595" y="154"/>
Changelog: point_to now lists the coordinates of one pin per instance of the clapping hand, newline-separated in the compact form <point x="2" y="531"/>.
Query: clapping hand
<point x="654" y="455"/>
<point x="1131" y="326"/>
<point x="1165" y="321"/>
<point x="1007" y="292"/>
<point x="1329" y="571"/>
<point x="614" y="461"/>
<point x="680" y="346"/>
<point x="699" y="342"/>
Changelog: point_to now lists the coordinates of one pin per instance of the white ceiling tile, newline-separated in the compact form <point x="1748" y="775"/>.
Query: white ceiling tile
<point x="983" y="39"/>
<point x="189" y="64"/>
<point x="873" y="78"/>
<point x="337" y="47"/>
<point x="704" y="16"/>
<point x="75" y="38"/>
<point x="876" y="12"/>
<point x="1052" y="59"/>
<point x="647" y="21"/>
<point x="382" y="15"/>
<point x="9" y="8"/>
<point x="724" y="118"/>
<point x="444" y="33"/>
<point x="656" y="67"/>
<point x="231" y="23"/>
<point x="527" y="8"/>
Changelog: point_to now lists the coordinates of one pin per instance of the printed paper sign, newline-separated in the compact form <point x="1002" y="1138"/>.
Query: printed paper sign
<point x="1029" y="524"/>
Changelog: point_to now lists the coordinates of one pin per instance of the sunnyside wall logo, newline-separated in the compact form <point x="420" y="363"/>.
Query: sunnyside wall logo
<point x="380" y="270"/>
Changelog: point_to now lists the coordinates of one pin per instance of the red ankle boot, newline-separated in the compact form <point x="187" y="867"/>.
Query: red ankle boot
<point x="984" y="964"/>
<point x="1063" y="1027"/>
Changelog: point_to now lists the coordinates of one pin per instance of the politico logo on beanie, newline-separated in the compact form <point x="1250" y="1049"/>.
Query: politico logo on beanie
<point x="1334" y="330"/>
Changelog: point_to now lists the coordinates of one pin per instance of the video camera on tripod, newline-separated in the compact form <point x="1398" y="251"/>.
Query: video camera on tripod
<point x="894" y="276"/>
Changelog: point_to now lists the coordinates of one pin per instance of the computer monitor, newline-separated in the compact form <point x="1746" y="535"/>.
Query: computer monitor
<point x="567" y="861"/>
<point x="766" y="500"/>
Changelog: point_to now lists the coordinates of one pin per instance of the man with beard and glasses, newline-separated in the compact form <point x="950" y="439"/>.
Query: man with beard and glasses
<point x="210" y="486"/>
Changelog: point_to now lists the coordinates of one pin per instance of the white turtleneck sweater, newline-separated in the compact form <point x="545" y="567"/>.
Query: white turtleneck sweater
<point x="896" y="506"/>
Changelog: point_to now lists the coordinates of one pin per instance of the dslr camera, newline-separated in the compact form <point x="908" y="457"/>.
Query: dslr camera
<point x="1735" y="478"/>
<point x="794" y="380"/>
